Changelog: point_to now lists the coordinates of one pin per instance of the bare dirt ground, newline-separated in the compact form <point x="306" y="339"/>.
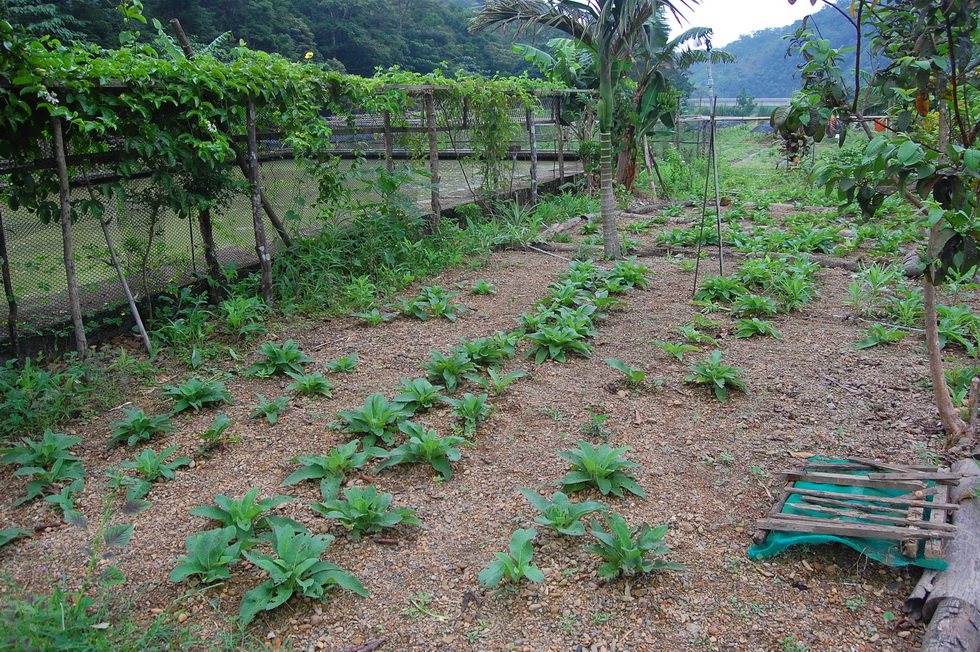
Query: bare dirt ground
<point x="709" y="470"/>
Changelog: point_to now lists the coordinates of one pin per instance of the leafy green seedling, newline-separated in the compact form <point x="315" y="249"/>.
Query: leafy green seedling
<point x="365" y="511"/>
<point x="11" y="533"/>
<point x="296" y="569"/>
<point x="375" y="419"/>
<point x="137" y="426"/>
<point x="244" y="315"/>
<point x="209" y="554"/>
<point x="216" y="436"/>
<point x="152" y="466"/>
<point x="471" y="409"/>
<point x="676" y="350"/>
<point x="634" y="377"/>
<point x="755" y="326"/>
<point x="596" y="425"/>
<point x="65" y="498"/>
<point x="692" y="334"/>
<point x="279" y="358"/>
<point x="375" y="317"/>
<point x="418" y="395"/>
<point x="448" y="370"/>
<point x="314" y="384"/>
<point x="345" y="364"/>
<point x="48" y="462"/>
<point x="487" y="351"/>
<point x="625" y="551"/>
<point x="331" y="468"/>
<point x="553" y="342"/>
<point x="269" y="409"/>
<point x="879" y="334"/>
<point x="515" y="565"/>
<point x="425" y="446"/>
<point x="560" y="513"/>
<point x="716" y="374"/>
<point x="630" y="274"/>
<point x="600" y="467"/>
<point x="246" y="514"/>
<point x="482" y="287"/>
<point x="196" y="393"/>
<point x="496" y="383"/>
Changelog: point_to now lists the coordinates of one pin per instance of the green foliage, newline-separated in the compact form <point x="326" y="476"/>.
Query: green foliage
<point x="432" y="301"/>
<point x="244" y="315"/>
<point x="418" y="394"/>
<point x="137" y="427"/>
<point x="11" y="534"/>
<point x="560" y="513"/>
<point x="625" y="551"/>
<point x="296" y="569"/>
<point x="553" y="342"/>
<point x="196" y="393"/>
<point x="365" y="511"/>
<point x="634" y="377"/>
<point x="345" y="364"/>
<point x="246" y="514"/>
<point x="692" y="334"/>
<point x="496" y="383"/>
<point x="629" y="273"/>
<point x="375" y="317"/>
<point x="448" y="370"/>
<point x="209" y="554"/>
<point x="753" y="305"/>
<point x="676" y="350"/>
<point x="600" y="467"/>
<point x="314" y="384"/>
<point x="331" y="468"/>
<point x="720" y="288"/>
<point x="48" y="462"/>
<point x="471" y="409"/>
<point x="269" y="409"/>
<point x="425" y="446"/>
<point x="279" y="359"/>
<point x="755" y="326"/>
<point x="215" y="437"/>
<point x="152" y="466"/>
<point x="483" y="288"/>
<point x="34" y="399"/>
<point x="877" y="334"/>
<point x="65" y="498"/>
<point x="595" y="426"/>
<point x="376" y="419"/>
<point x="716" y="374"/>
<point x="489" y="351"/>
<point x="958" y="324"/>
<point x="515" y="565"/>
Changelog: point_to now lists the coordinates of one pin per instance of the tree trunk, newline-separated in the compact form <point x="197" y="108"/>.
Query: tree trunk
<point x="954" y="427"/>
<point x="270" y="211"/>
<point x="74" y="301"/>
<point x="626" y="159"/>
<point x="430" y="119"/>
<point x="218" y="280"/>
<point x="261" y="245"/>
<point x="8" y="289"/>
<point x="607" y="199"/>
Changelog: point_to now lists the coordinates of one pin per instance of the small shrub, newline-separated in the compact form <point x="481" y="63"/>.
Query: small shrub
<point x="331" y="468"/>
<point x="448" y="370"/>
<point x="279" y="359"/>
<point x="375" y="419"/>
<point x="634" y="377"/>
<point x="375" y="317"/>
<point x="246" y="515"/>
<point x="625" y="551"/>
<point x="215" y="436"/>
<point x="471" y="409"/>
<point x="314" y="384"/>
<point x="269" y="409"/>
<point x="48" y="462"/>
<point x="879" y="334"/>
<point x="600" y="467"/>
<point x="560" y="513"/>
<point x="755" y="326"/>
<point x="482" y="287"/>
<point x="196" y="393"/>
<point x="425" y="446"/>
<point x="137" y="427"/>
<point x="515" y="565"/>
<point x="365" y="511"/>
<point x="676" y="350"/>
<point x="345" y="365"/>
<point x="716" y="374"/>
<point x="419" y="394"/>
<point x="209" y="554"/>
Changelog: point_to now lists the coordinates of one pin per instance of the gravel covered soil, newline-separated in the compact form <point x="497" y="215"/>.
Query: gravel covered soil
<point x="708" y="469"/>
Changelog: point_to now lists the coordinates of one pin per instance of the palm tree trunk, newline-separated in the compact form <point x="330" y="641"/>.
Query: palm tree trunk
<point x="607" y="199"/>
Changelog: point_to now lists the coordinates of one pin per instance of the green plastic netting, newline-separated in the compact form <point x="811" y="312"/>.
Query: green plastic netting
<point x="885" y="551"/>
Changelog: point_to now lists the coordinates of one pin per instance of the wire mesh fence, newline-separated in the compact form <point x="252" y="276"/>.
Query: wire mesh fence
<point x="161" y="249"/>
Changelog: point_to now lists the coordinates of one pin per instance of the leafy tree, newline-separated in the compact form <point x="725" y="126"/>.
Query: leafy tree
<point x="929" y="155"/>
<point x="616" y="31"/>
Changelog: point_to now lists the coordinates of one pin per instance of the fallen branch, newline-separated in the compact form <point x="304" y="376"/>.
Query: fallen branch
<point x="555" y="229"/>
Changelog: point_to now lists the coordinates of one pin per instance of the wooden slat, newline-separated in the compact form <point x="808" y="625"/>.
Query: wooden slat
<point x="851" y="481"/>
<point x="875" y="499"/>
<point x="938" y="478"/>
<point x="910" y="546"/>
<point x="934" y="548"/>
<point x="858" y="506"/>
<point x="760" y="534"/>
<point x="877" y="518"/>
<point x="791" y="523"/>
<point x="887" y="466"/>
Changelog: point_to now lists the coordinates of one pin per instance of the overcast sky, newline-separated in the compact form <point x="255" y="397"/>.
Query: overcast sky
<point x="732" y="18"/>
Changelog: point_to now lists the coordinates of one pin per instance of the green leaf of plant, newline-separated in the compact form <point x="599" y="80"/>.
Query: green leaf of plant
<point x="118" y="535"/>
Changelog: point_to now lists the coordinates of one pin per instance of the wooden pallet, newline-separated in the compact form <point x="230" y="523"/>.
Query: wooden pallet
<point x="898" y="518"/>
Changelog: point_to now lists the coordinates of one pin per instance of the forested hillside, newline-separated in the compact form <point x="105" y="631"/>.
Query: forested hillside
<point x="361" y="35"/>
<point x="763" y="68"/>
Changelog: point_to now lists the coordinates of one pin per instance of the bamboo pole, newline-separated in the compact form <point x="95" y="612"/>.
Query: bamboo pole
<point x="533" y="139"/>
<point x="430" y="117"/>
<point x="74" y="301"/>
<point x="8" y="289"/>
<point x="261" y="245"/>
<point x="560" y="138"/>
<point x="134" y="311"/>
<point x="389" y="143"/>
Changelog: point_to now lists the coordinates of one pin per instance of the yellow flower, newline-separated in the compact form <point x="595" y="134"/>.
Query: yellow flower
<point x="309" y="55"/>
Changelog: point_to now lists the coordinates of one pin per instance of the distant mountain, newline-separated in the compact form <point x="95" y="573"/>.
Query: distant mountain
<point x="764" y="69"/>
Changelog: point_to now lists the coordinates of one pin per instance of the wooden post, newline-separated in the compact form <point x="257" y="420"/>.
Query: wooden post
<point x="651" y="170"/>
<point x="74" y="302"/>
<point x="677" y="131"/>
<point x="533" y="140"/>
<point x="430" y="117"/>
<point x="211" y="254"/>
<point x="8" y="289"/>
<point x="261" y="246"/>
<point x="389" y="142"/>
<point x="559" y="137"/>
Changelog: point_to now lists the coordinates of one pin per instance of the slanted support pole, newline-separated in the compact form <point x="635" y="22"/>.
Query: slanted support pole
<point x="430" y="117"/>
<point x="261" y="245"/>
<point x="74" y="301"/>
<point x="533" y="139"/>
